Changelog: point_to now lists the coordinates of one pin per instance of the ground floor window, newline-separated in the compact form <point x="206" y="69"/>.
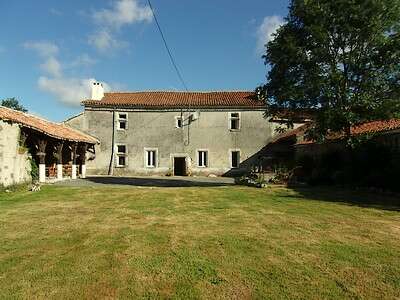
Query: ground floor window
<point x="121" y="156"/>
<point x="202" y="158"/>
<point x="235" y="159"/>
<point x="151" y="158"/>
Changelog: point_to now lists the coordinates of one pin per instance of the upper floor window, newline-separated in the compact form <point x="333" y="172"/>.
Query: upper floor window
<point x="234" y="121"/>
<point x="178" y="122"/>
<point x="121" y="155"/>
<point x="202" y="158"/>
<point x="122" y="121"/>
<point x="150" y="158"/>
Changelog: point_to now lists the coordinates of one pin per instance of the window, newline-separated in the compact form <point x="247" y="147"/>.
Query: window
<point x="121" y="156"/>
<point x="235" y="158"/>
<point x="178" y="122"/>
<point x="202" y="158"/>
<point x="122" y="121"/>
<point x="151" y="158"/>
<point x="234" y="121"/>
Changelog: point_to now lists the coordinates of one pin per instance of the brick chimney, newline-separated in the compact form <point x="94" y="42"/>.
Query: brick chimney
<point x="97" y="91"/>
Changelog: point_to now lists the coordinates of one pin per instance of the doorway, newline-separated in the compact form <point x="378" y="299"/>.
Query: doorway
<point x="180" y="166"/>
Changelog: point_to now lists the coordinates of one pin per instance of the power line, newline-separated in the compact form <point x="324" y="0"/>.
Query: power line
<point x="168" y="49"/>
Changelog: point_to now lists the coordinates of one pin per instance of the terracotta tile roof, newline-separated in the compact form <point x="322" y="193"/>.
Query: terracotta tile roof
<point x="365" y="128"/>
<point x="165" y="99"/>
<point x="376" y="126"/>
<point x="290" y="134"/>
<point x="55" y="130"/>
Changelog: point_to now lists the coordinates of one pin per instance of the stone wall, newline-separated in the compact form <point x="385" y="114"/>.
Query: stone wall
<point x="15" y="166"/>
<point x="156" y="129"/>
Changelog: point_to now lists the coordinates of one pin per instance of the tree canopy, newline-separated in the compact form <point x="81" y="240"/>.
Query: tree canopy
<point x="13" y="103"/>
<point x="339" y="59"/>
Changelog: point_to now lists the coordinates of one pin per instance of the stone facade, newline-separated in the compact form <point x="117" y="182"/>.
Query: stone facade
<point x="157" y="130"/>
<point x="15" y="165"/>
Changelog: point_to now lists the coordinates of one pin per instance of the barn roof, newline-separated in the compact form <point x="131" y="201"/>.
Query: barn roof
<point x="55" y="130"/>
<point x="380" y="126"/>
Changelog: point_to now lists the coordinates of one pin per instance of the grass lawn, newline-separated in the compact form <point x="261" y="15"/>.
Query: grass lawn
<point x="224" y="242"/>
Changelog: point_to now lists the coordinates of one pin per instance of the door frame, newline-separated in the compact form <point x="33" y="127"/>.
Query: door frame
<point x="187" y="162"/>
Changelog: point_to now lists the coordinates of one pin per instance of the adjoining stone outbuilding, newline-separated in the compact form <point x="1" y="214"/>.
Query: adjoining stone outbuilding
<point x="174" y="133"/>
<point x="384" y="132"/>
<point x="26" y="141"/>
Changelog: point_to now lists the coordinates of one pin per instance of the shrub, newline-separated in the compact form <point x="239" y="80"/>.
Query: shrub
<point x="367" y="165"/>
<point x="34" y="170"/>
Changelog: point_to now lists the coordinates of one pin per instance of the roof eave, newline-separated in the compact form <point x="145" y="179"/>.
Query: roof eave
<point x="93" y="105"/>
<point x="93" y="142"/>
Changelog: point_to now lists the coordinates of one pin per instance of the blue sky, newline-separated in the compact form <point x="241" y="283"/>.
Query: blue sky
<point x="51" y="50"/>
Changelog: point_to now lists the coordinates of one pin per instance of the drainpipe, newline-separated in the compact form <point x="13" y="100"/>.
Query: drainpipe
<point x="111" y="166"/>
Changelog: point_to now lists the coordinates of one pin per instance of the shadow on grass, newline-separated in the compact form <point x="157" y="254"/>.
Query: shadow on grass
<point x="361" y="198"/>
<point x="161" y="182"/>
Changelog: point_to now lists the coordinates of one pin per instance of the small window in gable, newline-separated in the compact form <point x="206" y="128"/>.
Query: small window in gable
<point x="122" y="121"/>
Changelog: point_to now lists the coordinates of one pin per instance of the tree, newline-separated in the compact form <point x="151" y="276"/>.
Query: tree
<point x="339" y="59"/>
<point x="13" y="104"/>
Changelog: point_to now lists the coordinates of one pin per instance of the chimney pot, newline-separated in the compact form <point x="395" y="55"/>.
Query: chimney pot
<point x="97" y="91"/>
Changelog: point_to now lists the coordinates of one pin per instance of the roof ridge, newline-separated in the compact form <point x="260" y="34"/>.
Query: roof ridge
<point x="72" y="117"/>
<point x="183" y="92"/>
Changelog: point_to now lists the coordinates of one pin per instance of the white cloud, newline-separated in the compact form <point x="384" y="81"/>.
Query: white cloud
<point x="104" y="41"/>
<point x="83" y="60"/>
<point x="266" y="30"/>
<point x="43" y="48"/>
<point x="52" y="66"/>
<point x="69" y="91"/>
<point x="48" y="51"/>
<point x="123" y="12"/>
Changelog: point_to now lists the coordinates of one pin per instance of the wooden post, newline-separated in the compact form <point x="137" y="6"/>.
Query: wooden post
<point x="74" y="147"/>
<point x="82" y="156"/>
<point x="59" y="148"/>
<point x="41" y="153"/>
<point x="22" y="138"/>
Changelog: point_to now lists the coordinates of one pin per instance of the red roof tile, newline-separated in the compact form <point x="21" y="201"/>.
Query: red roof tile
<point x="164" y="99"/>
<point x="290" y="134"/>
<point x="376" y="126"/>
<point x="365" y="128"/>
<point x="55" y="130"/>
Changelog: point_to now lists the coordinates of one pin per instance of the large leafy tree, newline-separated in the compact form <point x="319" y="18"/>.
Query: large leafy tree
<point x="339" y="59"/>
<point x="13" y="104"/>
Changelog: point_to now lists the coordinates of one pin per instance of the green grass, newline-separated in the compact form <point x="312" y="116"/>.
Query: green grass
<point x="227" y="242"/>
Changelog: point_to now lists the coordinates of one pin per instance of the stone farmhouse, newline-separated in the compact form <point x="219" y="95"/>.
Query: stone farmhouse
<point x="174" y="133"/>
<point x="161" y="133"/>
